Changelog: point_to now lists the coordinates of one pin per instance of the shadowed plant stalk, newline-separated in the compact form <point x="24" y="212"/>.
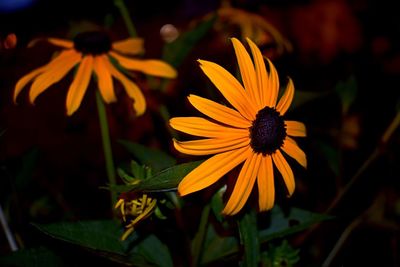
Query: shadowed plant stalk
<point x="105" y="136"/>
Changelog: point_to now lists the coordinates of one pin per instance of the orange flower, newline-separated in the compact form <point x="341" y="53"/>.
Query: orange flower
<point x="94" y="52"/>
<point x="253" y="131"/>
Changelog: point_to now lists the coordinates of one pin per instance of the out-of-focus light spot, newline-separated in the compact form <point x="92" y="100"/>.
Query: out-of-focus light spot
<point x="9" y="42"/>
<point x="169" y="33"/>
<point x="14" y="5"/>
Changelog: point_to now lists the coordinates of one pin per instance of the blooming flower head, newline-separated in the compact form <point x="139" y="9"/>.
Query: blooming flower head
<point x="254" y="26"/>
<point x="94" y="52"/>
<point x="253" y="131"/>
<point x="135" y="210"/>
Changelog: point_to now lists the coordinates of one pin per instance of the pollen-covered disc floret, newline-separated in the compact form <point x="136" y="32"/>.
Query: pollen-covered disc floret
<point x="267" y="132"/>
<point x="93" y="42"/>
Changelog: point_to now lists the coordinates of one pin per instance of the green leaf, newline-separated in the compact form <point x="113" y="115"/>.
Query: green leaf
<point x="154" y="252"/>
<point x="296" y="220"/>
<point x="35" y="257"/>
<point x="347" y="91"/>
<point x="174" y="53"/>
<point x="249" y="238"/>
<point x="165" y="180"/>
<point x="157" y="160"/>
<point x="331" y="155"/>
<point x="94" y="235"/>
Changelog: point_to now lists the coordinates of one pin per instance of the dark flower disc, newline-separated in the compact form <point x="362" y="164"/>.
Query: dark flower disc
<point x="93" y="42"/>
<point x="267" y="131"/>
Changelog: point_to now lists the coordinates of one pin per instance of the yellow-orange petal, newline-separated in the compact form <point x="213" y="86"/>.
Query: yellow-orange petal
<point x="247" y="71"/>
<point x="133" y="91"/>
<point x="243" y="185"/>
<point x="61" y="43"/>
<point x="55" y="71"/>
<point x="219" y="112"/>
<point x="286" y="99"/>
<point x="149" y="66"/>
<point x="230" y="88"/>
<point x="104" y="78"/>
<point x="285" y="170"/>
<point x="202" y="127"/>
<point x="261" y="73"/>
<point x="292" y="149"/>
<point x="26" y="79"/>
<point x="265" y="184"/>
<point x="295" y="128"/>
<point x="210" y="146"/>
<point x="131" y="46"/>
<point x="271" y="93"/>
<point x="212" y="170"/>
<point x="79" y="86"/>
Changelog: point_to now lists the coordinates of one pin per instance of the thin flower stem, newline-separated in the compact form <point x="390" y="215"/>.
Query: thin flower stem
<point x="198" y="241"/>
<point x="120" y="4"/>
<point x="105" y="136"/>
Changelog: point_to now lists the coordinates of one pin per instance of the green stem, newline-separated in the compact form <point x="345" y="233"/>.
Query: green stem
<point x="249" y="239"/>
<point x="105" y="136"/>
<point x="126" y="17"/>
<point x="198" y="240"/>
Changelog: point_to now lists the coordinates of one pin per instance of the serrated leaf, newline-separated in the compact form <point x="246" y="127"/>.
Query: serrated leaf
<point x="347" y="91"/>
<point x="165" y="180"/>
<point x="35" y="257"/>
<point x="249" y="238"/>
<point x="174" y="53"/>
<point x="157" y="160"/>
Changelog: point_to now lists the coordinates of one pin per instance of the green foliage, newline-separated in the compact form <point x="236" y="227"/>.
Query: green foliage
<point x="175" y="53"/>
<point x="280" y="256"/>
<point x="280" y="225"/>
<point x="157" y="160"/>
<point x="347" y="90"/>
<point x="165" y="180"/>
<point x="248" y="230"/>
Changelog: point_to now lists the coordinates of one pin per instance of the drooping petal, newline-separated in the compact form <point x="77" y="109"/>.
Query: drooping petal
<point x="261" y="73"/>
<point x="243" y="185"/>
<point x="292" y="149"/>
<point x="286" y="99"/>
<point x="79" y="86"/>
<point x="26" y="79"/>
<point x="230" y="88"/>
<point x="271" y="92"/>
<point x="61" y="43"/>
<point x="104" y="78"/>
<point x="133" y="91"/>
<point x="150" y="66"/>
<point x="56" y="70"/>
<point x="219" y="112"/>
<point x="295" y="128"/>
<point x="247" y="71"/>
<point x="285" y="170"/>
<point x="130" y="46"/>
<point x="212" y="170"/>
<point x="210" y="146"/>
<point x="205" y="128"/>
<point x="265" y="184"/>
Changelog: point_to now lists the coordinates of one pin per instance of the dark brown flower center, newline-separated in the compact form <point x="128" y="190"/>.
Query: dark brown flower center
<point x="93" y="42"/>
<point x="267" y="131"/>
